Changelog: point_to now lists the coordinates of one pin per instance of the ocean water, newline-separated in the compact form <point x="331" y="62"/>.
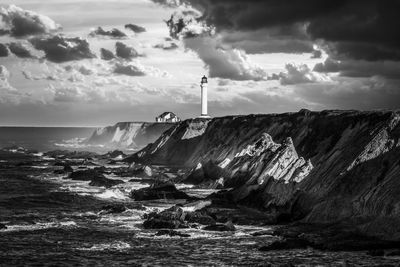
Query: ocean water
<point x="45" y="138"/>
<point x="54" y="221"/>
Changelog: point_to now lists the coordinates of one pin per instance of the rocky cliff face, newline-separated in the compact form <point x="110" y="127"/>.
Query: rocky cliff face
<point x="128" y="135"/>
<point x="317" y="167"/>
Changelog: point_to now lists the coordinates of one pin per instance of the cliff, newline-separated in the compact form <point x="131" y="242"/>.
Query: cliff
<point x="124" y="135"/>
<point x="314" y="167"/>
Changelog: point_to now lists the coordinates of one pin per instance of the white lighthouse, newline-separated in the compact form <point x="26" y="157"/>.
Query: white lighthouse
<point x="203" y="86"/>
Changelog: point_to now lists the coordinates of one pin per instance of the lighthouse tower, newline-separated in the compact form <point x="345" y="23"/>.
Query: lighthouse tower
<point x="203" y="86"/>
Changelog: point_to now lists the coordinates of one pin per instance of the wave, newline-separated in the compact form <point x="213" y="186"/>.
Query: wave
<point x="117" y="245"/>
<point x="38" y="226"/>
<point x="112" y="194"/>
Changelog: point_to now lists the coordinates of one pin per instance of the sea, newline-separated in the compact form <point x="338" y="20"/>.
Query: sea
<point x="47" y="219"/>
<point x="46" y="138"/>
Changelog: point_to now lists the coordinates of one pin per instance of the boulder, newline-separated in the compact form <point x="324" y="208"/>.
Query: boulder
<point x="159" y="191"/>
<point x="103" y="181"/>
<point x="2" y="226"/>
<point x="171" y="218"/>
<point x="113" y="208"/>
<point x="95" y="178"/>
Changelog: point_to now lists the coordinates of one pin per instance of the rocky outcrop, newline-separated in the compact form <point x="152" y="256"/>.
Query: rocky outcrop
<point x="318" y="167"/>
<point x="95" y="177"/>
<point x="124" y="135"/>
<point x="158" y="191"/>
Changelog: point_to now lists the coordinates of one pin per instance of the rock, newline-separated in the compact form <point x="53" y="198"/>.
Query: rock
<point x="68" y="168"/>
<point x="207" y="174"/>
<point x="171" y="218"/>
<point x="227" y="227"/>
<point x="2" y="226"/>
<point x="95" y="178"/>
<point x="376" y="253"/>
<point x="113" y="208"/>
<point x="85" y="175"/>
<point x="161" y="191"/>
<point x="140" y="171"/>
<point x="103" y="181"/>
<point x="286" y="243"/>
<point x="263" y="233"/>
<point x="171" y="233"/>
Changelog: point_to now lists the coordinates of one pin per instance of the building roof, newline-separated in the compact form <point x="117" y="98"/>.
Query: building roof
<point x="167" y="113"/>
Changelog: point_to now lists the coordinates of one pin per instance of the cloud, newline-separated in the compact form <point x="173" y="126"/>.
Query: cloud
<point x="106" y="54"/>
<point x="221" y="61"/>
<point x="20" y="22"/>
<point x="297" y="74"/>
<point x="224" y="63"/>
<point x="360" y="68"/>
<point x="135" y="28"/>
<point x="3" y="50"/>
<point x="346" y="29"/>
<point x="129" y="70"/>
<point x="20" y="50"/>
<point x="61" y="49"/>
<point x="114" y="33"/>
<point x="167" y="46"/>
<point x="136" y="69"/>
<point x="4" y="75"/>
<point x="124" y="51"/>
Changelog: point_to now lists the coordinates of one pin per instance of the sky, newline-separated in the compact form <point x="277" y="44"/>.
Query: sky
<point x="58" y="68"/>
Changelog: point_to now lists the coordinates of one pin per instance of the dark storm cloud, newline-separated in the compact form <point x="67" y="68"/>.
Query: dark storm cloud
<point x="106" y="54"/>
<point x="20" y="22"/>
<point x="135" y="28"/>
<point x="124" y="51"/>
<point x="3" y="50"/>
<point x="360" y="68"/>
<point x="62" y="49"/>
<point x="354" y="29"/>
<point x="114" y="33"/>
<point x="129" y="70"/>
<point x="20" y="50"/>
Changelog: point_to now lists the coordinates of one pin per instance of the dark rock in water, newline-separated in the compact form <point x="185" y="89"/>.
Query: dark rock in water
<point x="171" y="218"/>
<point x="113" y="208"/>
<point x="140" y="171"/>
<point x="68" y="168"/>
<point x="286" y="243"/>
<point x="227" y="227"/>
<point x="171" y="233"/>
<point x="263" y="233"/>
<point x="161" y="191"/>
<point x="103" y="181"/>
<point x="85" y="175"/>
<point x="176" y="217"/>
<point x="376" y="253"/>
<point x="200" y="217"/>
<point x="3" y="226"/>
<point x="95" y="178"/>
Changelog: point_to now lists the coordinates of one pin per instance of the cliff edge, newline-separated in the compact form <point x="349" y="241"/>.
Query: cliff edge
<point x="313" y="167"/>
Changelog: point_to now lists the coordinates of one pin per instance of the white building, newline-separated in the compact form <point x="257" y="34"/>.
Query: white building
<point x="168" y="117"/>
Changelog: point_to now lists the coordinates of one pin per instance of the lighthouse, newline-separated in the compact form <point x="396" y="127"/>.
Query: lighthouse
<point x="203" y="86"/>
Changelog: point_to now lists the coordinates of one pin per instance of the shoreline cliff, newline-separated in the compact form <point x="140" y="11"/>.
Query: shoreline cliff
<point x="309" y="167"/>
